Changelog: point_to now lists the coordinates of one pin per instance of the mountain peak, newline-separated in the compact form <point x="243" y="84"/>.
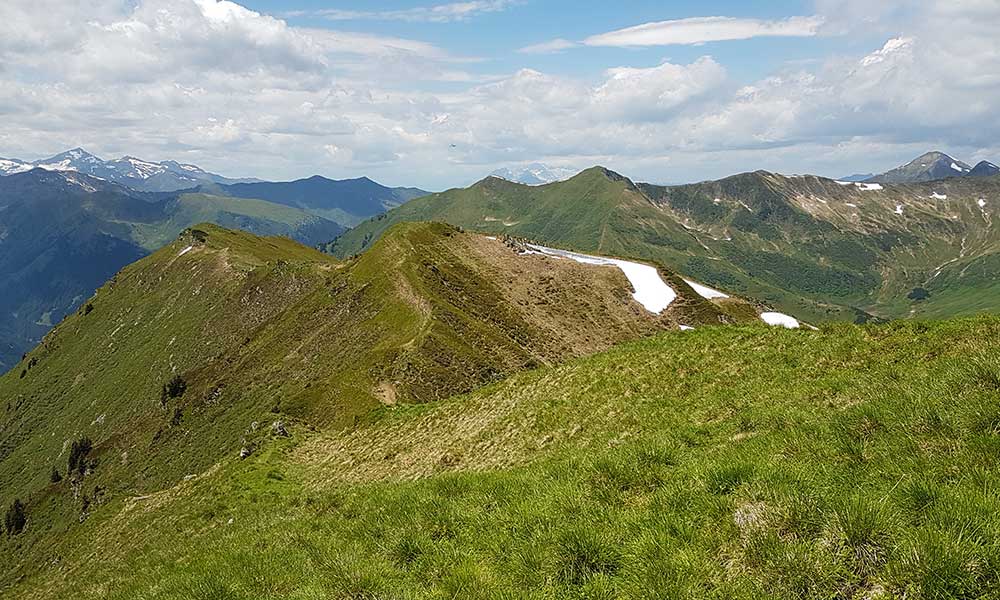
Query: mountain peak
<point x="926" y="167"/>
<point x="984" y="169"/>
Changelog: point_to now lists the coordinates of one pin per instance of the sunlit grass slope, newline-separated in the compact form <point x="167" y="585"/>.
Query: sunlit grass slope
<point x="851" y="462"/>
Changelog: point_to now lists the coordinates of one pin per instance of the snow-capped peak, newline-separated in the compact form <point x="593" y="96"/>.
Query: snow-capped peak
<point x="534" y="174"/>
<point x="10" y="167"/>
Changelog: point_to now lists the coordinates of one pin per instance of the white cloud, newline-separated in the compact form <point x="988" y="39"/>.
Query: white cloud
<point x="699" y="30"/>
<point x="550" y="47"/>
<point x="441" y="13"/>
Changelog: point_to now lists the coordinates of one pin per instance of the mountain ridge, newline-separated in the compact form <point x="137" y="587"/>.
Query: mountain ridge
<point x="865" y="246"/>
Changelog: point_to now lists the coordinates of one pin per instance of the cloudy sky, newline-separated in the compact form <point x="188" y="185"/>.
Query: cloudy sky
<point x="438" y="95"/>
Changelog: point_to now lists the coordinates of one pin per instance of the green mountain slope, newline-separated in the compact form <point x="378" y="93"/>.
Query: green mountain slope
<point x="813" y="247"/>
<point x="169" y="365"/>
<point x="721" y="463"/>
<point x="64" y="234"/>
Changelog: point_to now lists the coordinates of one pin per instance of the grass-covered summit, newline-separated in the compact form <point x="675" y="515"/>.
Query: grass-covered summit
<point x="746" y="462"/>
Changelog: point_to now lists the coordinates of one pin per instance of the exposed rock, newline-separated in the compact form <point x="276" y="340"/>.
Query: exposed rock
<point x="278" y="429"/>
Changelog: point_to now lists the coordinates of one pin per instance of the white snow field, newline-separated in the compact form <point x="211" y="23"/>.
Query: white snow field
<point x="704" y="291"/>
<point x="779" y="319"/>
<point x="650" y="290"/>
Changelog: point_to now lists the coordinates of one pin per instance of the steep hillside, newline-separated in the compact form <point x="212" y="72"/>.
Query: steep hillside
<point x="168" y="366"/>
<point x="812" y="247"/>
<point x="62" y="234"/>
<point x="347" y="202"/>
<point x="853" y="462"/>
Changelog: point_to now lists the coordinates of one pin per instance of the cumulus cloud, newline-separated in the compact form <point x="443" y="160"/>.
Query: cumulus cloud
<point x="247" y="94"/>
<point x="699" y="30"/>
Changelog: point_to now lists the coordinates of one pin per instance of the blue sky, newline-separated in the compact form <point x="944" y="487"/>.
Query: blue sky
<point x="497" y="36"/>
<point x="437" y="93"/>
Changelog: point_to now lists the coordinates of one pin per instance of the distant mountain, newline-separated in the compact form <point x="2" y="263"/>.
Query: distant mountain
<point x="926" y="167"/>
<point x="63" y="233"/>
<point x="534" y="174"/>
<point x="810" y="246"/>
<point x="984" y="169"/>
<point x="141" y="175"/>
<point x="857" y="177"/>
<point x="347" y="202"/>
<point x="10" y="166"/>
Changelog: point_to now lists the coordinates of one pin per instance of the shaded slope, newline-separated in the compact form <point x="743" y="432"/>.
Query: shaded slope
<point x="347" y="202"/>
<point x="62" y="234"/>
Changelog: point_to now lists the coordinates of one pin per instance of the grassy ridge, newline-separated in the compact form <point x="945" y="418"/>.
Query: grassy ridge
<point x="247" y="331"/>
<point x="721" y="463"/>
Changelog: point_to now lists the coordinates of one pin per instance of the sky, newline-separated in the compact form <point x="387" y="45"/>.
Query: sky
<point x="439" y="94"/>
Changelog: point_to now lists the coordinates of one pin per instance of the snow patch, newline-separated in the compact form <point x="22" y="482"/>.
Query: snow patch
<point x="686" y="328"/>
<point x="650" y="290"/>
<point x="868" y="187"/>
<point x="899" y="209"/>
<point x="705" y="291"/>
<point x="958" y="168"/>
<point x="938" y="196"/>
<point x="185" y="251"/>
<point x="779" y="319"/>
<point x="851" y="205"/>
<point x="845" y="183"/>
<point x="981" y="203"/>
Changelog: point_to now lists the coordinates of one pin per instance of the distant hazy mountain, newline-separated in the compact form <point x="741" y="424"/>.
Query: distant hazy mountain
<point x="984" y="169"/>
<point x="534" y="174"/>
<point x="166" y="176"/>
<point x="348" y="201"/>
<point x="63" y="233"/>
<point x="926" y="167"/>
<point x="857" y="177"/>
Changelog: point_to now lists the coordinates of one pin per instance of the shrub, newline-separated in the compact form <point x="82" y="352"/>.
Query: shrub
<point x="78" y="455"/>
<point x="174" y="388"/>
<point x="15" y="519"/>
<point x="55" y="477"/>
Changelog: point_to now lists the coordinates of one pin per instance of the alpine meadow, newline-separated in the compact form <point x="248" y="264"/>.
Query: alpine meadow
<point x="499" y="299"/>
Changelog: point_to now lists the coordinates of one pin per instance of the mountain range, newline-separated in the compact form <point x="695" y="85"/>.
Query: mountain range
<point x="813" y="247"/>
<point x="141" y="175"/>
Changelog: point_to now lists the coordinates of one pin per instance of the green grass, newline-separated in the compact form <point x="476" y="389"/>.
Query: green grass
<point x="721" y="463"/>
